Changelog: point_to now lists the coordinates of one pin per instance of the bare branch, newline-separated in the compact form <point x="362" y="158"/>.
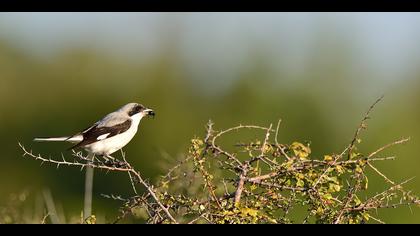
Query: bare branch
<point x="403" y="140"/>
<point x="102" y="166"/>
<point x="240" y="186"/>
<point x="360" y="128"/>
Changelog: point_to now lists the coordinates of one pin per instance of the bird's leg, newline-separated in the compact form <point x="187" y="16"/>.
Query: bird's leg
<point x="95" y="158"/>
<point x="110" y="157"/>
<point x="101" y="159"/>
<point x="105" y="158"/>
<point x="108" y="160"/>
<point x="113" y="159"/>
<point x="116" y="161"/>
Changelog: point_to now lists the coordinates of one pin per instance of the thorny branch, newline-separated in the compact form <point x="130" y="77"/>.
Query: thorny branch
<point x="259" y="182"/>
<point x="361" y="127"/>
<point x="99" y="165"/>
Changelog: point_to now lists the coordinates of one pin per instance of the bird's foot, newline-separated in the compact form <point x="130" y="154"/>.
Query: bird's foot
<point x="109" y="160"/>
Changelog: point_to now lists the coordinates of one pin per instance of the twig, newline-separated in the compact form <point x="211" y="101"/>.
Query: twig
<point x="350" y="195"/>
<point x="114" y="197"/>
<point x="380" y="173"/>
<point x="259" y="178"/>
<point x="377" y="220"/>
<point x="325" y="171"/>
<point x="361" y="126"/>
<point x="240" y="186"/>
<point x="403" y="140"/>
<point x="197" y="218"/>
<point x="262" y="149"/>
<point x="104" y="167"/>
<point x="277" y="132"/>
<point x="215" y="147"/>
<point x="133" y="186"/>
<point x="44" y="219"/>
<point x="275" y="185"/>
<point x="49" y="202"/>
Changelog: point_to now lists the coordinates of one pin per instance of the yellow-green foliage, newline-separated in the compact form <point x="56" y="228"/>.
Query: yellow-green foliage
<point x="282" y="183"/>
<point x="258" y="181"/>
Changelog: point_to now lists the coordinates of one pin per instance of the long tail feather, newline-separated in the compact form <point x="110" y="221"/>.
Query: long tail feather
<point x="77" y="138"/>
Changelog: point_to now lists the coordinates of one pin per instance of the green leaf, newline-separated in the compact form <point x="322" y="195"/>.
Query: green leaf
<point x="358" y="169"/>
<point x="300" y="183"/>
<point x="253" y="187"/>
<point x="339" y="169"/>
<point x="300" y="176"/>
<point x="320" y="211"/>
<point x="334" y="187"/>
<point x="366" y="183"/>
<point x="328" y="158"/>
<point x="249" y="211"/>
<point x="357" y="201"/>
<point x="366" y="216"/>
<point x="327" y="196"/>
<point x="354" y="155"/>
<point x="300" y="150"/>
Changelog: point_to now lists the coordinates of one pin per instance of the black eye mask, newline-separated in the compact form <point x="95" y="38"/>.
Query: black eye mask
<point x="136" y="109"/>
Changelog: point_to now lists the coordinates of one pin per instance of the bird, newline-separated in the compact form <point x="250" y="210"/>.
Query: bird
<point x="109" y="134"/>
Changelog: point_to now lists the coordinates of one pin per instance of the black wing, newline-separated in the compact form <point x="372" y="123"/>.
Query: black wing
<point x="91" y="134"/>
<point x="83" y="131"/>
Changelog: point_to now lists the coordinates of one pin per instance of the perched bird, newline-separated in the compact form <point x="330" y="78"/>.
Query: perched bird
<point x="109" y="134"/>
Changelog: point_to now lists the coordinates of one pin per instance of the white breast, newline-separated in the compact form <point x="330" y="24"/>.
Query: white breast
<point x="115" y="143"/>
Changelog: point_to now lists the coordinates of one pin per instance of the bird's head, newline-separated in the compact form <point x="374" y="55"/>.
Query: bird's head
<point x="135" y="108"/>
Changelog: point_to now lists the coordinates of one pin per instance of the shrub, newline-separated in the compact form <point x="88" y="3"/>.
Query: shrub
<point x="263" y="181"/>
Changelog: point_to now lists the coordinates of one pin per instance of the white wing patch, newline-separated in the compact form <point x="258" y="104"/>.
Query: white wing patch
<point x="103" y="136"/>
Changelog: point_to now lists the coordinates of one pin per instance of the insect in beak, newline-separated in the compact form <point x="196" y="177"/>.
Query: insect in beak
<point x="150" y="113"/>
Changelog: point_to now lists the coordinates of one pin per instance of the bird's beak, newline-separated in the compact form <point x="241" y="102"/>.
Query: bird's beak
<point x="150" y="112"/>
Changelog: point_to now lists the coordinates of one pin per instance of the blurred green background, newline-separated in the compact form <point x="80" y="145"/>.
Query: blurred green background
<point x="318" y="72"/>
